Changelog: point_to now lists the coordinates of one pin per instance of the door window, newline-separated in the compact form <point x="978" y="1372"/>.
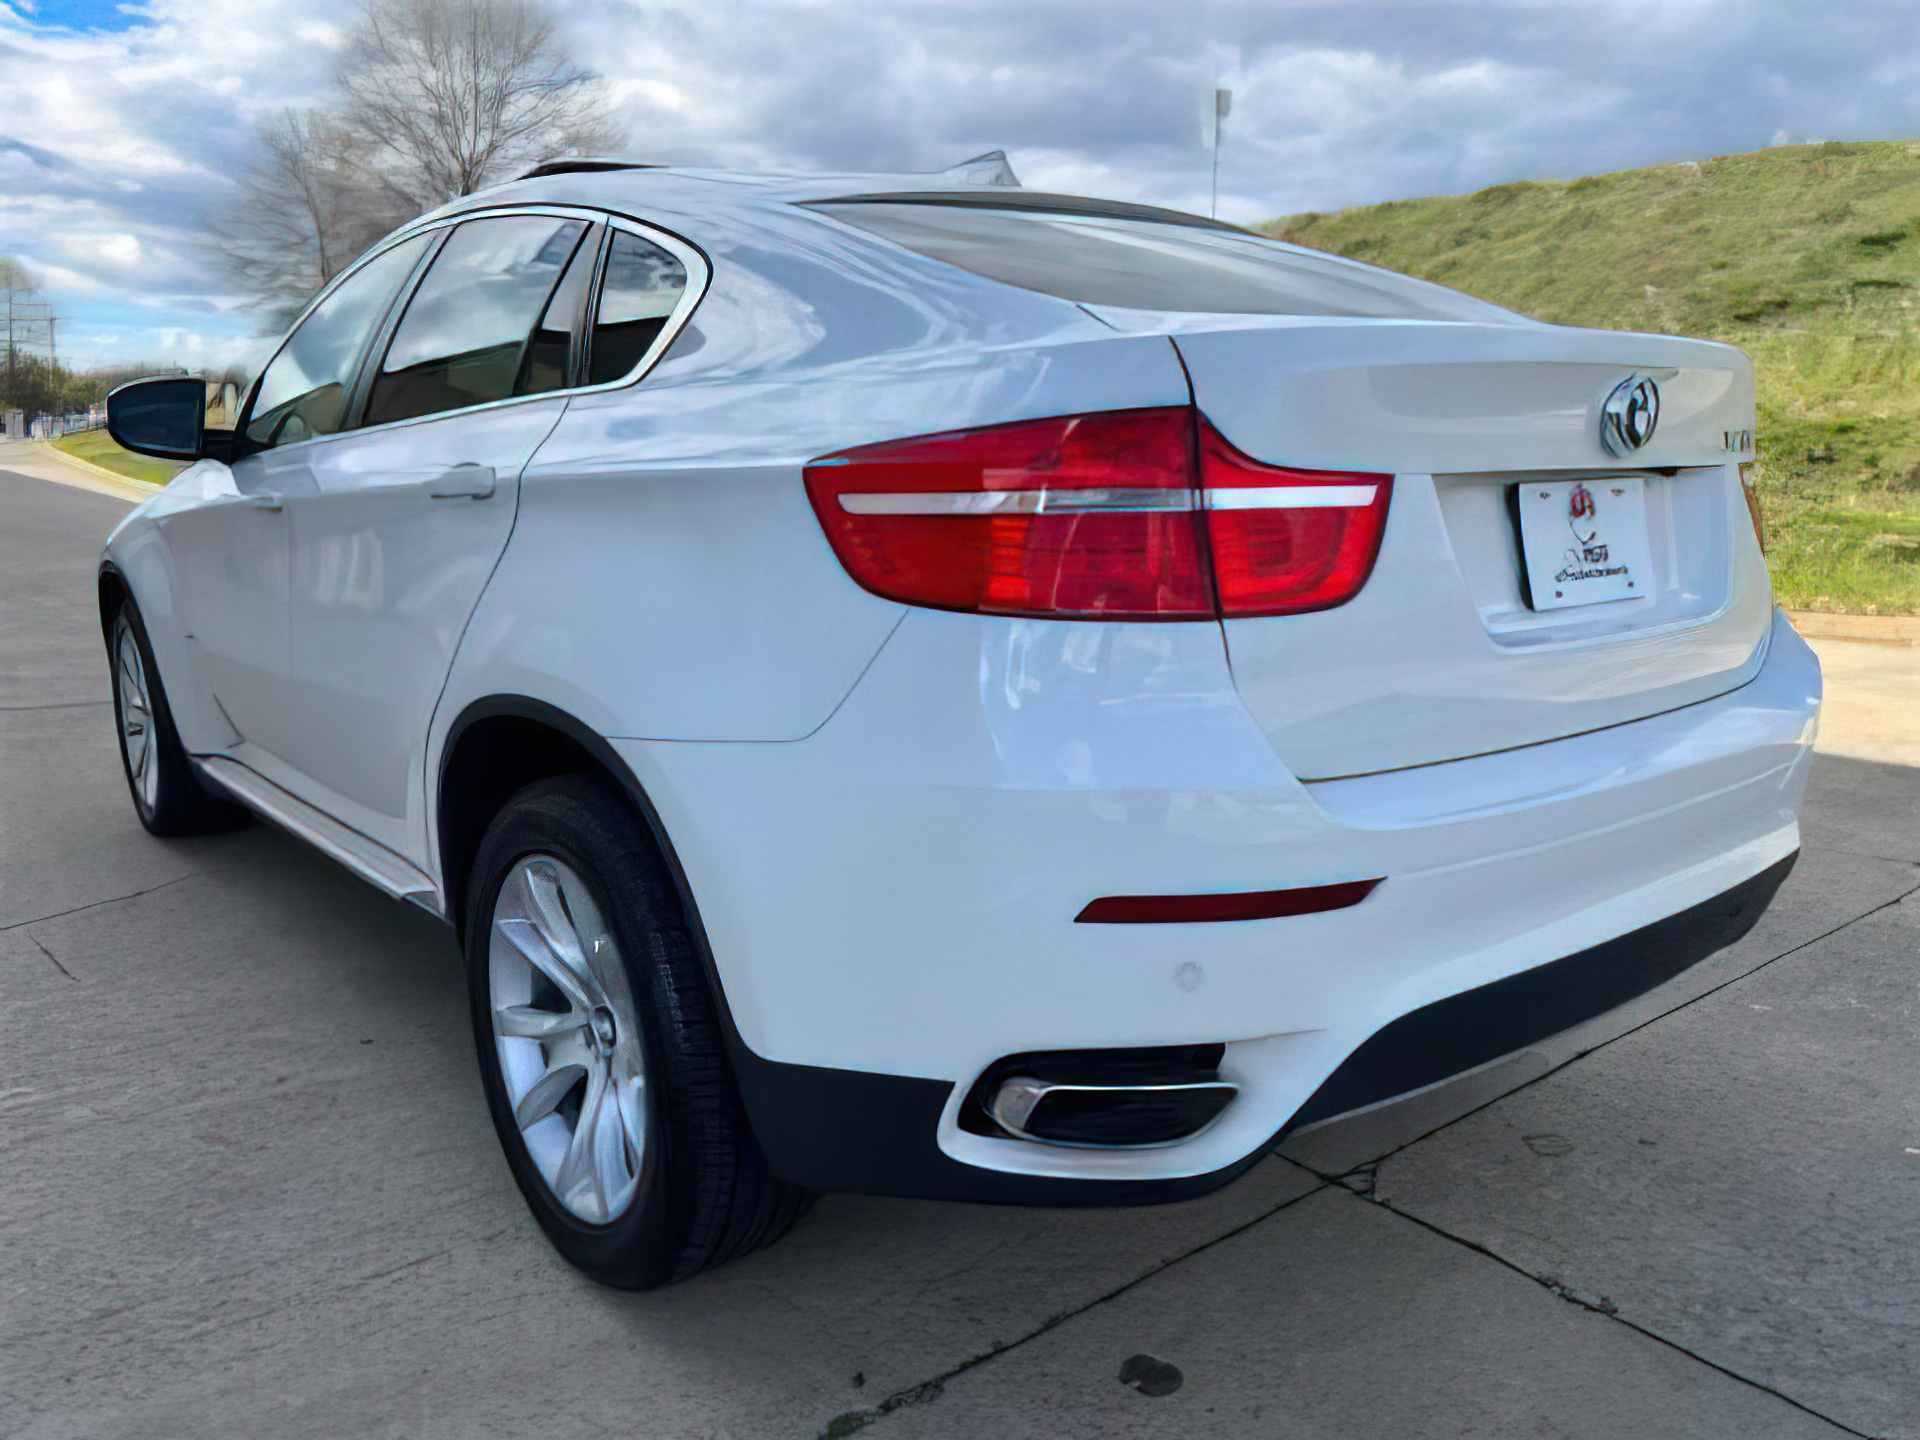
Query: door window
<point x="467" y="332"/>
<point x="643" y="284"/>
<point x="304" y="392"/>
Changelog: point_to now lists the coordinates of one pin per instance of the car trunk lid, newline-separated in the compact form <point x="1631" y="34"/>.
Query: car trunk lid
<point x="1445" y="653"/>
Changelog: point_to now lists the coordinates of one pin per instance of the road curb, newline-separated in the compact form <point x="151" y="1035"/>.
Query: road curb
<point x="126" y="488"/>
<point x="1871" y="629"/>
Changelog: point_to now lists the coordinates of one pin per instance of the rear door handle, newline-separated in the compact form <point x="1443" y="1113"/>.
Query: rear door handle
<point x="462" y="482"/>
<point x="264" y="500"/>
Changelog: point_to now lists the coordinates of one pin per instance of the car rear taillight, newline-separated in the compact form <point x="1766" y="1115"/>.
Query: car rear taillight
<point x="1107" y="516"/>
<point x="1087" y="515"/>
<point x="1287" y="541"/>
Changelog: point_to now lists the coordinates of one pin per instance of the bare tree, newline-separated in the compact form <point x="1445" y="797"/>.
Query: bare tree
<point x="303" y="211"/>
<point x="452" y="95"/>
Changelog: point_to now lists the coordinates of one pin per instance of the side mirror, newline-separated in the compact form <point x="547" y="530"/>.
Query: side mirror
<point x="166" y="418"/>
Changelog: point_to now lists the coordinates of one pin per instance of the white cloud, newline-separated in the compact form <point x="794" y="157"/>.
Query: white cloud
<point x="116" y="251"/>
<point x="61" y="281"/>
<point x="318" y="32"/>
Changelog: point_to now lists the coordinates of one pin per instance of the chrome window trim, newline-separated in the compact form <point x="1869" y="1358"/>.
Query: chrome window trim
<point x="699" y="278"/>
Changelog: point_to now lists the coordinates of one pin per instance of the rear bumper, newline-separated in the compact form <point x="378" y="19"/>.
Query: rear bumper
<point x="848" y="1130"/>
<point x="890" y="902"/>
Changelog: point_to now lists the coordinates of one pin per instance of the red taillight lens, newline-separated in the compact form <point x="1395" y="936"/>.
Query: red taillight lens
<point x="1287" y="541"/>
<point x="1088" y="515"/>
<point x="1097" y="517"/>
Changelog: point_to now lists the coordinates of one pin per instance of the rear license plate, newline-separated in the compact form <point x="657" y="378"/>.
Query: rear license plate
<point x="1585" y="541"/>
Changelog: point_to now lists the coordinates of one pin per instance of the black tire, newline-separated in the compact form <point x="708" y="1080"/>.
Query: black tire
<point x="704" y="1194"/>
<point x="180" y="804"/>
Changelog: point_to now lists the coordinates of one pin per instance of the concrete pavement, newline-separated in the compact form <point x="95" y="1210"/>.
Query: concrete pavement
<point x="247" y="1184"/>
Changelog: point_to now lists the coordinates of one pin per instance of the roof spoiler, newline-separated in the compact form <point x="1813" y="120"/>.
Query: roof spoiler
<point x="991" y="168"/>
<point x="584" y="165"/>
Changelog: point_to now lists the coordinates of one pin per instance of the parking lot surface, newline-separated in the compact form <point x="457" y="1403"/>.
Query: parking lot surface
<point x="248" y="1186"/>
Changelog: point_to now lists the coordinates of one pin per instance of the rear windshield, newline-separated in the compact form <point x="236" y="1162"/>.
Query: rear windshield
<point x="1104" y="259"/>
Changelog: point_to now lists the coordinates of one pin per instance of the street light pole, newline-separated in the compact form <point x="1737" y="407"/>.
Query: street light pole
<point x="1222" y="107"/>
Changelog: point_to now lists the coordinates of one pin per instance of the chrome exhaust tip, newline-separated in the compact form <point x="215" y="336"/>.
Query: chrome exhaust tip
<point x="1108" y="1117"/>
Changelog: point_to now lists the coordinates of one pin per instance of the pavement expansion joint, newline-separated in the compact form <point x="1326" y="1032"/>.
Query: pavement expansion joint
<point x="95" y="905"/>
<point x="928" y="1391"/>
<point x="52" y="959"/>
<point x="1603" y="1307"/>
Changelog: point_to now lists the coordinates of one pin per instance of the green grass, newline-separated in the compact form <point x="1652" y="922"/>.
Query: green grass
<point x="1806" y="256"/>
<point x="94" y="446"/>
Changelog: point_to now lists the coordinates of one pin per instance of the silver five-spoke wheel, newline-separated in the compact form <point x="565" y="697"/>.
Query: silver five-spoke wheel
<point x="135" y="709"/>
<point x="567" y="1034"/>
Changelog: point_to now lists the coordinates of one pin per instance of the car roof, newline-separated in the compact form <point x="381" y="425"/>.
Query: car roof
<point x="643" y="187"/>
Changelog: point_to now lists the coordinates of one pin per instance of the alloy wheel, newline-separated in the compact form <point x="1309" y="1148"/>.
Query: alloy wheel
<point x="567" y="1034"/>
<point x="135" y="710"/>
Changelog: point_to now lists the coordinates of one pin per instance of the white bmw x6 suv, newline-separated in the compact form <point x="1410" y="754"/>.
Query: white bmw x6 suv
<point x="921" y="687"/>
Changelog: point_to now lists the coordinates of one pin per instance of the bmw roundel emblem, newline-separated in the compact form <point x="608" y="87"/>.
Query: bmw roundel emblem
<point x="1628" y="419"/>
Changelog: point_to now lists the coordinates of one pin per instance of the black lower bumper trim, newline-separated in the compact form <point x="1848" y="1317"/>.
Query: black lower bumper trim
<point x="1462" y="1031"/>
<point x="849" y="1130"/>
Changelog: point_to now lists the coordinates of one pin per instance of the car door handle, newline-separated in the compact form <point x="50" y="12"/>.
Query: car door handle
<point x="462" y="482"/>
<point x="265" y="501"/>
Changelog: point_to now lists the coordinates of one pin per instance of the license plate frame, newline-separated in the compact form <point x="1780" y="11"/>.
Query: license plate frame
<point x="1585" y="541"/>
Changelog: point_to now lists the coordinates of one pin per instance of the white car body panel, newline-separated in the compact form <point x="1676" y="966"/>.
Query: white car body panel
<point x="1443" y="397"/>
<point x="638" y="501"/>
<point x="384" y="578"/>
<point x="988" y="778"/>
<point x="888" y="817"/>
<point x="231" y="558"/>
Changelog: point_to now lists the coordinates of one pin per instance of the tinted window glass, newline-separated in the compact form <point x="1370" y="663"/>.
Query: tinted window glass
<point x="303" y="393"/>
<point x="468" y="325"/>
<point x="545" y="367"/>
<point x="643" y="284"/>
<point x="1118" y="260"/>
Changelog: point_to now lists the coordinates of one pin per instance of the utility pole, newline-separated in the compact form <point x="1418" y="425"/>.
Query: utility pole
<point x="1222" y="107"/>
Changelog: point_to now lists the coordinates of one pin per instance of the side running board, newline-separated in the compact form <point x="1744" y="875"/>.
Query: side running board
<point x="372" y="862"/>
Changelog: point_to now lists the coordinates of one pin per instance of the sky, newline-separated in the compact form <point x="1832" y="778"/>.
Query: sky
<point x="122" y="125"/>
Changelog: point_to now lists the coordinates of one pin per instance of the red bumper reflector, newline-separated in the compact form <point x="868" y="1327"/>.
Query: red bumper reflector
<point x="1246" y="905"/>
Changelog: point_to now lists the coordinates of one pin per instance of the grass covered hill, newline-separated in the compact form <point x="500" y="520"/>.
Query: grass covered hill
<point x="1806" y="256"/>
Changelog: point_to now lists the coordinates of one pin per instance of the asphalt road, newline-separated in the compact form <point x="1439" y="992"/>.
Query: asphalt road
<point x="248" y="1188"/>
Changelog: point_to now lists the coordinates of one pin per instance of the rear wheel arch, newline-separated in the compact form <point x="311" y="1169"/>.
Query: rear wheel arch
<point x="498" y="745"/>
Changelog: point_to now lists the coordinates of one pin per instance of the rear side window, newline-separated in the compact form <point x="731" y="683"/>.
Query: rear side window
<point x="303" y="393"/>
<point x="1148" y="264"/>
<point x="468" y="330"/>
<point x="642" y="287"/>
